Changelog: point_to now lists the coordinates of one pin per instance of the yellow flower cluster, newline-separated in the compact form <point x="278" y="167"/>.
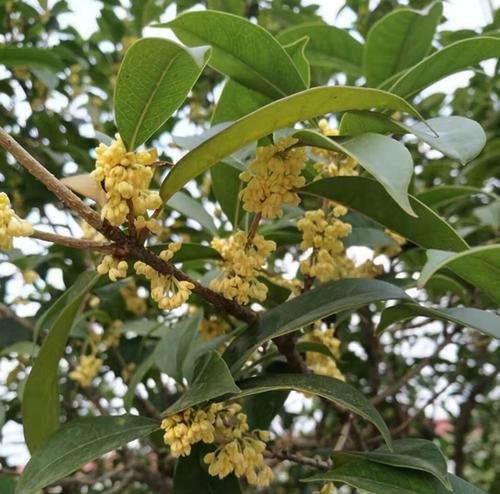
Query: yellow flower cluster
<point x="212" y="327"/>
<point x="325" y="128"/>
<point x="392" y="250"/>
<point x="135" y="304"/>
<point x="238" y="449"/>
<point x="166" y="290"/>
<point x="125" y="176"/>
<point x="241" y="266"/>
<point x="10" y="224"/>
<point x="328" y="488"/>
<point x="113" y="267"/>
<point x="320" y="363"/>
<point x="86" y="371"/>
<point x="272" y="178"/>
<point x="323" y="237"/>
<point x="90" y="233"/>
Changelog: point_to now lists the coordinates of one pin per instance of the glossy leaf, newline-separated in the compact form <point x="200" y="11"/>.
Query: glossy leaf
<point x="276" y="115"/>
<point x="323" y="301"/>
<point x="453" y="58"/>
<point x="414" y="454"/>
<point x="236" y="101"/>
<point x="329" y="388"/>
<point x="78" y="442"/>
<point x="226" y="186"/>
<point x="480" y="266"/>
<point x="193" y="210"/>
<point x="361" y="194"/>
<point x="40" y="406"/>
<point x="384" y="158"/>
<point x="460" y="486"/>
<point x="328" y="47"/>
<point x="376" y="478"/>
<point x="155" y="77"/>
<point x="459" y="138"/>
<point x="243" y="51"/>
<point x="212" y="380"/>
<point x="482" y="320"/>
<point x="296" y="50"/>
<point x="445" y="194"/>
<point x="399" y="40"/>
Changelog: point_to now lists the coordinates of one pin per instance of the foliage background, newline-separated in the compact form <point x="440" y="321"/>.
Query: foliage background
<point x="56" y="121"/>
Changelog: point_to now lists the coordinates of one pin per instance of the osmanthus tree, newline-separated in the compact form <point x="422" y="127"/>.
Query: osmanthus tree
<point x="202" y="292"/>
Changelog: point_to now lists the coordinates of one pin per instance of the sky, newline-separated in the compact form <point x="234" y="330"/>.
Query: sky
<point x="461" y="14"/>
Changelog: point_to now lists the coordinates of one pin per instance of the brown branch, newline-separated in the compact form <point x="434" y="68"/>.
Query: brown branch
<point x="299" y="458"/>
<point x="77" y="243"/>
<point x="33" y="166"/>
<point x="414" y="371"/>
<point x="344" y="434"/>
<point x="286" y="346"/>
<point x="8" y="313"/>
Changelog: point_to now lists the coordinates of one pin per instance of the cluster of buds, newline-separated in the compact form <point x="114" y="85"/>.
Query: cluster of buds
<point x="10" y="224"/>
<point x="273" y="177"/>
<point x="87" y="370"/>
<point x="241" y="266"/>
<point x="238" y="451"/>
<point x="166" y="290"/>
<point x="327" y="488"/>
<point x="125" y="177"/>
<point x="325" y="365"/>
<point x="212" y="327"/>
<point x="113" y="267"/>
<point x="134" y="303"/>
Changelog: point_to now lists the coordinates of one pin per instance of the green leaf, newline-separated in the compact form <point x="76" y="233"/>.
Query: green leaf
<point x="30" y="58"/>
<point x="7" y="484"/>
<point x="192" y="209"/>
<point x="399" y="40"/>
<point x="296" y="50"/>
<point x="369" y="237"/>
<point x="78" y="442"/>
<point x="276" y="115"/>
<point x="460" y="486"/>
<point x="173" y="348"/>
<point x="482" y="320"/>
<point x="328" y="47"/>
<point x="453" y="58"/>
<point x="444" y="194"/>
<point x="323" y="301"/>
<point x="376" y="478"/>
<point x="226" y="186"/>
<point x="457" y="137"/>
<point x="368" y="197"/>
<point x="138" y="375"/>
<point x="480" y="266"/>
<point x="40" y="406"/>
<point x="384" y="158"/>
<point x="212" y="380"/>
<point x="414" y="454"/>
<point x="236" y="101"/>
<point x="243" y="51"/>
<point x="155" y="77"/>
<point x="329" y="388"/>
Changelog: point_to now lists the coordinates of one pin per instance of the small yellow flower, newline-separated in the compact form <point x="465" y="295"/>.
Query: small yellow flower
<point x="126" y="177"/>
<point x="241" y="266"/>
<point x="10" y="224"/>
<point x="273" y="177"/>
<point x="87" y="370"/>
<point x="135" y="304"/>
<point x="113" y="267"/>
<point x="29" y="276"/>
<point x="328" y="488"/>
<point x="213" y="327"/>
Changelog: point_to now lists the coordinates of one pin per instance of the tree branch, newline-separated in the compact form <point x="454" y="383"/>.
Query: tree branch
<point x="76" y="243"/>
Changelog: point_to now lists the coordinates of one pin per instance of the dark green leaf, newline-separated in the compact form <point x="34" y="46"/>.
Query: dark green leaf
<point x="451" y="59"/>
<point x="155" y="77"/>
<point x="398" y="41"/>
<point x="480" y="266"/>
<point x="376" y="478"/>
<point x="384" y="158"/>
<point x="327" y="387"/>
<point x="192" y="209"/>
<point x="328" y="47"/>
<point x="243" y="51"/>
<point x="212" y="380"/>
<point x="40" y="406"/>
<point x="368" y="197"/>
<point x="444" y="194"/>
<point x="78" y="442"/>
<point x="482" y="320"/>
<point x="415" y="454"/>
<point x="460" y="486"/>
<point x="323" y="301"/>
<point x="276" y="115"/>
<point x="226" y="186"/>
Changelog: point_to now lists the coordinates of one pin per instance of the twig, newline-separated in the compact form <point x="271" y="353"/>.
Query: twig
<point x="344" y="434"/>
<point x="76" y="243"/>
<point x="299" y="458"/>
<point x="253" y="229"/>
